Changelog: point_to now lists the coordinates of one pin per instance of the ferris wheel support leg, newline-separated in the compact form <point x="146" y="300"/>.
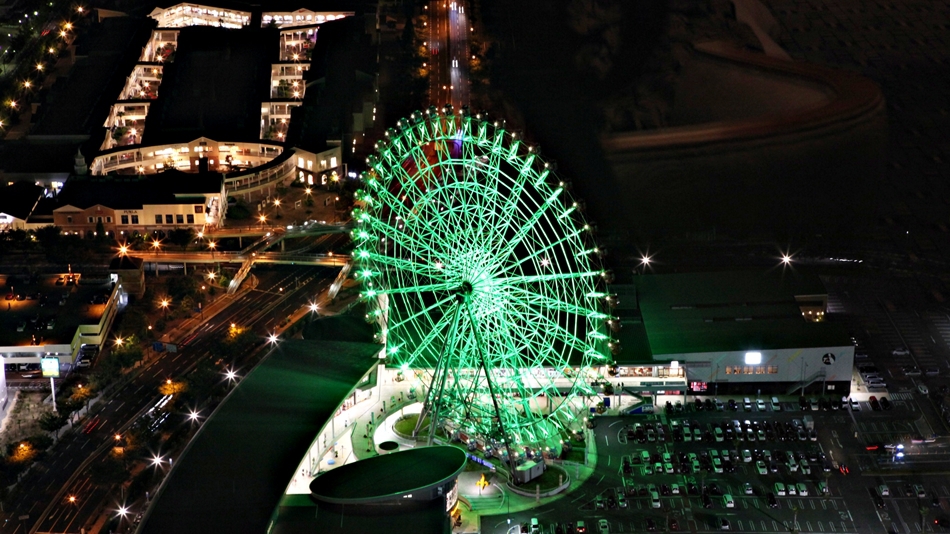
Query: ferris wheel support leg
<point x="441" y="366"/>
<point x="491" y="386"/>
<point x="434" y="395"/>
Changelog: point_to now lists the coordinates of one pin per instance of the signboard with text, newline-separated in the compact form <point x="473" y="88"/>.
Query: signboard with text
<point x="50" y="367"/>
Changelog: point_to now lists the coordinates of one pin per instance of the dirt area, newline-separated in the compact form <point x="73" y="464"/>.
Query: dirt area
<point x="23" y="418"/>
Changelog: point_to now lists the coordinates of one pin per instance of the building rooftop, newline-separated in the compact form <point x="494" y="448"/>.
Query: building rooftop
<point x="215" y="86"/>
<point x="38" y="318"/>
<point x="247" y="452"/>
<point x="132" y="192"/>
<point x="27" y="156"/>
<point x="79" y="103"/>
<point x="715" y="312"/>
<point x="389" y="476"/>
<point x="341" y="72"/>
<point x="19" y="199"/>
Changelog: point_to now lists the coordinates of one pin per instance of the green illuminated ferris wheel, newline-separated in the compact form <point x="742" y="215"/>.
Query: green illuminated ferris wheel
<point x="481" y="272"/>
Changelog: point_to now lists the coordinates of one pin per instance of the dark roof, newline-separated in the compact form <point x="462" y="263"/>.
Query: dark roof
<point x="724" y="311"/>
<point x="350" y="326"/>
<point x="43" y="212"/>
<point x="125" y="263"/>
<point x="24" y="156"/>
<point x="233" y="474"/>
<point x="341" y="68"/>
<point x="389" y="476"/>
<point x="297" y="515"/>
<point x="214" y="87"/>
<point x="19" y="198"/>
<point x="79" y="103"/>
<point x="131" y="192"/>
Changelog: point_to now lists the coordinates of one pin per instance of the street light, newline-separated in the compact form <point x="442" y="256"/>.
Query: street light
<point x="212" y="245"/>
<point x="263" y="219"/>
<point x="165" y="307"/>
<point x="272" y="338"/>
<point x="119" y="341"/>
<point x="123" y="250"/>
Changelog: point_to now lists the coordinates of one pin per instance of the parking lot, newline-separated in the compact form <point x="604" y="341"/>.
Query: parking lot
<point x="633" y="486"/>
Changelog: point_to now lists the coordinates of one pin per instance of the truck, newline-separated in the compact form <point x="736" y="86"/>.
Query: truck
<point x="809" y="422"/>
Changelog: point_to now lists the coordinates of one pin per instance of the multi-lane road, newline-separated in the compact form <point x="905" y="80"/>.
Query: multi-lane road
<point x="449" y="53"/>
<point x="44" y="494"/>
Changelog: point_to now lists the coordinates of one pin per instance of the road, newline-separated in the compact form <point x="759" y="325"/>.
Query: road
<point x="260" y="309"/>
<point x="449" y="53"/>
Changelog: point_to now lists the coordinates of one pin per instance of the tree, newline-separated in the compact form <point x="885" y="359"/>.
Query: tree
<point x="51" y="422"/>
<point x="100" y="231"/>
<point x="108" y="472"/>
<point x="179" y="287"/>
<point x="181" y="237"/>
<point x="48" y="236"/>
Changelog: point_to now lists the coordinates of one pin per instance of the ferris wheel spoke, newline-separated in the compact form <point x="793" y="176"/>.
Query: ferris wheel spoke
<point x="563" y="335"/>
<point x="420" y="313"/>
<point x="399" y="263"/>
<point x="530" y="279"/>
<point x="427" y="288"/>
<point x="545" y="249"/>
<point x="403" y="237"/>
<point x="528" y="226"/>
<point x="539" y="300"/>
<point x="433" y="333"/>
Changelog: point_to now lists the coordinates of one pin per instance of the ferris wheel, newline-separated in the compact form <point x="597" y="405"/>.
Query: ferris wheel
<point x="481" y="272"/>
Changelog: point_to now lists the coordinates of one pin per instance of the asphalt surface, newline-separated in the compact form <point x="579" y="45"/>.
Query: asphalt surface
<point x="261" y="309"/>
<point x="449" y="53"/>
<point x="849" y="508"/>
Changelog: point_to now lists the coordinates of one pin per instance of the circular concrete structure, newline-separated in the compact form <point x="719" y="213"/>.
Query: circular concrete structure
<point x="414" y="473"/>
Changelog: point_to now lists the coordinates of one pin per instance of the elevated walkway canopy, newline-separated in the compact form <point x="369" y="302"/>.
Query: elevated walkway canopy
<point x="234" y="473"/>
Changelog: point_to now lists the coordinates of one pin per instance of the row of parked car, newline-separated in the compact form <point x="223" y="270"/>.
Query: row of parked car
<point x="717" y="405"/>
<point x="684" y="431"/>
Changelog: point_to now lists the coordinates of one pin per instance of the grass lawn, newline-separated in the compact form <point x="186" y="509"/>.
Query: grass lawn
<point x="407" y="425"/>
<point x="550" y="479"/>
<point x="575" y="455"/>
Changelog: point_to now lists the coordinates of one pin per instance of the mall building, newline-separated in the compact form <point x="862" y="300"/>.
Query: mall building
<point x="737" y="333"/>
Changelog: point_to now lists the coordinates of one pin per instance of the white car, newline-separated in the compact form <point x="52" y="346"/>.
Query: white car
<point x="603" y="526"/>
<point x="760" y="467"/>
<point x="728" y="501"/>
<point x="923" y="389"/>
<point x="802" y="489"/>
<point x="748" y="489"/>
<point x="760" y="405"/>
<point x="746" y="456"/>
